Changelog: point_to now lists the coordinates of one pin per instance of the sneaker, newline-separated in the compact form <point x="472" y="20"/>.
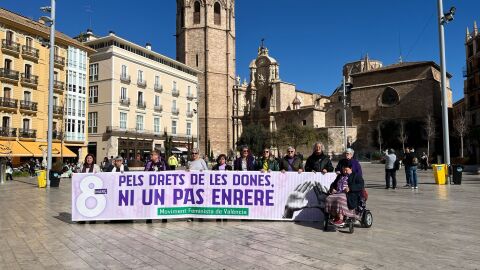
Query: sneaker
<point x="394" y="188"/>
<point x="416" y="187"/>
<point x="387" y="187"/>
<point x="338" y="222"/>
<point x="407" y="185"/>
<point x="412" y="187"/>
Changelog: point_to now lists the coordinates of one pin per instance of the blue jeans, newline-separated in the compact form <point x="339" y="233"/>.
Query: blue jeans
<point x="412" y="175"/>
<point x="407" y="175"/>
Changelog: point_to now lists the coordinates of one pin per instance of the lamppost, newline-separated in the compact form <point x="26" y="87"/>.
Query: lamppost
<point x="198" y="124"/>
<point x="442" y="20"/>
<point x="51" y="20"/>
<point x="344" y="99"/>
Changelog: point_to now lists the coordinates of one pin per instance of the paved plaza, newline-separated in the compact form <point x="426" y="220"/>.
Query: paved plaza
<point x="434" y="227"/>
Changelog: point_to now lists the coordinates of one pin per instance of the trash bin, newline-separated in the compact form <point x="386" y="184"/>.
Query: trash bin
<point x="439" y="173"/>
<point x="42" y="178"/>
<point x="54" y="179"/>
<point x="457" y="171"/>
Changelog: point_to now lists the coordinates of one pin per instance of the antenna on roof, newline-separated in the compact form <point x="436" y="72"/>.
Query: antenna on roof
<point x="400" y="58"/>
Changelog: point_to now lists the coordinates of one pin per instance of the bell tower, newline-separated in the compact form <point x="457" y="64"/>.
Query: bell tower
<point x="206" y="41"/>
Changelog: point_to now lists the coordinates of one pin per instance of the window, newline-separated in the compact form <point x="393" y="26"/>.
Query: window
<point x="140" y="97"/>
<point x="123" y="93"/>
<point x="390" y="97"/>
<point x="8" y="64"/>
<point x="188" y="107"/>
<point x="9" y="38"/>
<point x="124" y="71"/>
<point x="7" y="93"/>
<point x="26" y="124"/>
<point x="27" y="96"/>
<point x="216" y="11"/>
<point x="74" y="83"/>
<point x="93" y="76"/>
<point x="93" y="94"/>
<point x="123" y="120"/>
<point x="55" y="101"/>
<point x="189" y="129"/>
<point x="174" y="105"/>
<point x="140" y="76"/>
<point x="174" y="85"/>
<point x="196" y="60"/>
<point x="92" y="122"/>
<point x="6" y="122"/>
<point x="304" y="122"/>
<point x="139" y="125"/>
<point x="174" y="127"/>
<point x="157" y="101"/>
<point x="29" y="42"/>
<point x="157" y="81"/>
<point x="28" y="70"/>
<point x="196" y="12"/>
<point x="189" y="91"/>
<point x="156" y="125"/>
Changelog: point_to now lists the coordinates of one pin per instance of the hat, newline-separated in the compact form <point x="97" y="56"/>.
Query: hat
<point x="118" y="158"/>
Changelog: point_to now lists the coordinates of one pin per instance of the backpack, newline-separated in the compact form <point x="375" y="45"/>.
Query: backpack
<point x="415" y="161"/>
<point x="396" y="165"/>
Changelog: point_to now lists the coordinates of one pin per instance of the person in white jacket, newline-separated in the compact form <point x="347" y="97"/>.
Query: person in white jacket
<point x="89" y="165"/>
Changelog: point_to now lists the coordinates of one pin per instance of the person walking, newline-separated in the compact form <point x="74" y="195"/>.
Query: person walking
<point x="411" y="163"/>
<point x="349" y="153"/>
<point x="291" y="162"/>
<point x="172" y="162"/>
<point x="156" y="163"/>
<point x="222" y="164"/>
<point x="390" y="170"/>
<point x="9" y="170"/>
<point x="318" y="161"/>
<point x="246" y="161"/>
<point x="89" y="165"/>
<point x="267" y="163"/>
<point x="196" y="163"/>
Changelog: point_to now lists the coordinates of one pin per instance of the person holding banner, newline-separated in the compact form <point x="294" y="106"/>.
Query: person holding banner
<point x="291" y="162"/>
<point x="156" y="163"/>
<point x="267" y="163"/>
<point x="345" y="193"/>
<point x="222" y="164"/>
<point x="197" y="164"/>
<point x="118" y="165"/>
<point x="246" y="161"/>
<point x="89" y="165"/>
<point x="318" y="161"/>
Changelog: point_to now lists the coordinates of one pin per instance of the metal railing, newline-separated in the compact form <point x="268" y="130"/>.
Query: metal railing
<point x="158" y="108"/>
<point x="30" y="51"/>
<point x="175" y="92"/>
<point x="125" y="78"/>
<point x="8" y="102"/>
<point x="190" y="114"/>
<point x="9" y="74"/>
<point x="158" y="88"/>
<point x="29" y="78"/>
<point x="125" y="101"/>
<point x="141" y="83"/>
<point x="8" y="132"/>
<point x="59" y="60"/>
<point x="10" y="45"/>
<point x="175" y="111"/>
<point x="57" y="109"/>
<point x="190" y="96"/>
<point x="141" y="105"/>
<point x="28" y="105"/>
<point x="59" y="85"/>
<point x="27" y="133"/>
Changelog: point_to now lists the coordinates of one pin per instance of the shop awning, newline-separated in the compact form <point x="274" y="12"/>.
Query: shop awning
<point x="13" y="149"/>
<point x="179" y="150"/>
<point x="39" y="148"/>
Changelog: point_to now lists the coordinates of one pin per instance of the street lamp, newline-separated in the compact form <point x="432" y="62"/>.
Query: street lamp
<point x="51" y="21"/>
<point x="442" y="20"/>
<point x="344" y="99"/>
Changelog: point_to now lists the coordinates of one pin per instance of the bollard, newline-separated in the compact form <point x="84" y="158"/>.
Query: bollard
<point x="3" y="169"/>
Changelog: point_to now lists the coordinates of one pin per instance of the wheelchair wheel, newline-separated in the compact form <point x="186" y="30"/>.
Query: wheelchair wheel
<point x="350" y="226"/>
<point x="367" y="219"/>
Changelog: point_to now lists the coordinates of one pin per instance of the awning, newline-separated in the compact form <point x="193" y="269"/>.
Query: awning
<point x="38" y="149"/>
<point x="179" y="150"/>
<point x="13" y="149"/>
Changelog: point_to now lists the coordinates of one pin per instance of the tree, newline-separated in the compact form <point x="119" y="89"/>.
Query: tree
<point x="168" y="144"/>
<point x="256" y="137"/>
<point x="403" y="134"/>
<point x="460" y="126"/>
<point x="294" y="135"/>
<point x="429" y="130"/>
<point x="379" y="138"/>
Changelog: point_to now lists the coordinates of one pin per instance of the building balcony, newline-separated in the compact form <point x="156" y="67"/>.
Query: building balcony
<point x="56" y="135"/>
<point x="10" y="47"/>
<point x="26" y="105"/>
<point x="8" y="132"/>
<point x="8" y="75"/>
<point x="28" y="80"/>
<point x="30" y="53"/>
<point x="27" y="133"/>
<point x="190" y="96"/>
<point x="158" y="88"/>
<point x="141" y="83"/>
<point x="175" y="111"/>
<point x="124" y="78"/>
<point x="58" y="86"/>
<point x="175" y="92"/>
<point x="158" y="108"/>
<point x="58" y="110"/>
<point x="59" y="61"/>
<point x="141" y="105"/>
<point x="125" y="102"/>
<point x="8" y="103"/>
<point x="190" y="114"/>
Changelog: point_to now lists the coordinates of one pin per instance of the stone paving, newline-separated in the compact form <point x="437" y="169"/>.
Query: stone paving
<point x="435" y="227"/>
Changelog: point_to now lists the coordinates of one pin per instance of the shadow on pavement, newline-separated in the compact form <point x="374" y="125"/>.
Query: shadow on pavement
<point x="65" y="217"/>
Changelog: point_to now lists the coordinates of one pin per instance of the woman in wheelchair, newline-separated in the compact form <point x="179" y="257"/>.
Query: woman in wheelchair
<point x="345" y="195"/>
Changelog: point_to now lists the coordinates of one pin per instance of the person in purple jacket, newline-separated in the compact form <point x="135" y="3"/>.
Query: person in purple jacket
<point x="156" y="163"/>
<point x="356" y="168"/>
<point x="246" y="161"/>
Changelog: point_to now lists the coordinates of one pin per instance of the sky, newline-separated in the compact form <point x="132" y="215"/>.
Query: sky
<point x="310" y="39"/>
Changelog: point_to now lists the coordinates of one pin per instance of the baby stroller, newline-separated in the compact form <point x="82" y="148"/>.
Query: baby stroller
<point x="361" y="213"/>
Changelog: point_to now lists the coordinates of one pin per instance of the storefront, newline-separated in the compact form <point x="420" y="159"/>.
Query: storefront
<point x="128" y="148"/>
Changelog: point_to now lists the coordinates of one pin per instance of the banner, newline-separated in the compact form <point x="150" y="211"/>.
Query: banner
<point x="207" y="194"/>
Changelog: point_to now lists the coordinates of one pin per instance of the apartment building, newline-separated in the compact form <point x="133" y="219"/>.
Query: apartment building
<point x="24" y="91"/>
<point x="138" y="98"/>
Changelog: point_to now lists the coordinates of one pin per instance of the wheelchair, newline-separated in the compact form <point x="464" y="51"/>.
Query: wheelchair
<point x="361" y="214"/>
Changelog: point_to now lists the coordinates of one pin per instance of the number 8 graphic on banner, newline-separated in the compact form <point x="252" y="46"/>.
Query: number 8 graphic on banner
<point x="88" y="192"/>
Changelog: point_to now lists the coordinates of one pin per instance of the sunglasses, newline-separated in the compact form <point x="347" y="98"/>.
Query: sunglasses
<point x="291" y="151"/>
<point x="194" y="153"/>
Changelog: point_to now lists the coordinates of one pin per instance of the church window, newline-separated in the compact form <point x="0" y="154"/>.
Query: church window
<point x="304" y="122"/>
<point x="390" y="97"/>
<point x="196" y="59"/>
<point x="196" y="12"/>
<point x="216" y="10"/>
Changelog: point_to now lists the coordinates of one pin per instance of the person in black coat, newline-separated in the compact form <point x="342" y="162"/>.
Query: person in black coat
<point x="246" y="161"/>
<point x="318" y="161"/>
<point x="222" y="164"/>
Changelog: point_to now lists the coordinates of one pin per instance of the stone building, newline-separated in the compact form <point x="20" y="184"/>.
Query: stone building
<point x="206" y="41"/>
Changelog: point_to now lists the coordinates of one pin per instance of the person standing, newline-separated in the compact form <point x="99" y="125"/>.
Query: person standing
<point x="267" y="163"/>
<point x="222" y="164"/>
<point x="246" y="161"/>
<point x="9" y="170"/>
<point x="291" y="162"/>
<point x="390" y="170"/>
<point x="318" y="161"/>
<point x="197" y="164"/>
<point x="89" y="165"/>
<point x="411" y="163"/>
<point x="156" y="163"/>
<point x="424" y="161"/>
<point x="106" y="165"/>
<point x="118" y="165"/>
<point x="349" y="153"/>
<point x="172" y="162"/>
